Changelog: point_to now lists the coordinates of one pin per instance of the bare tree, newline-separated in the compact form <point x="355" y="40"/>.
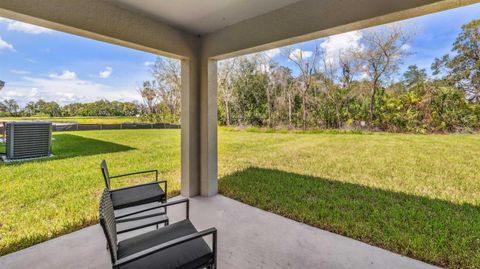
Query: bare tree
<point x="10" y="106"/>
<point x="167" y="73"/>
<point x="336" y="76"/>
<point x="226" y="69"/>
<point x="149" y="96"/>
<point x="269" y="68"/>
<point x="382" y="53"/>
<point x="285" y="84"/>
<point x="306" y="62"/>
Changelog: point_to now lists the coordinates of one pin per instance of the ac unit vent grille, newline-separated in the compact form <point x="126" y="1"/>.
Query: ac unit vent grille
<point x="27" y="140"/>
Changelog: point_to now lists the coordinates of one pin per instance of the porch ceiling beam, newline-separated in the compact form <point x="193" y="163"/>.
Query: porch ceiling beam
<point x="311" y="19"/>
<point x="103" y="21"/>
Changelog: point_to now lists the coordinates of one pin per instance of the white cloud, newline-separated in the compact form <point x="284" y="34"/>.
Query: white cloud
<point x="106" y="73"/>
<point x="66" y="75"/>
<point x="12" y="94"/>
<point x="33" y="92"/>
<point x="363" y="75"/>
<point x="19" y="72"/>
<point x="272" y="53"/>
<point x="5" y="45"/>
<point x="148" y="64"/>
<point x="406" y="47"/>
<point x="337" y="46"/>
<point x="25" y="27"/>
<point x="298" y="54"/>
<point x="66" y="91"/>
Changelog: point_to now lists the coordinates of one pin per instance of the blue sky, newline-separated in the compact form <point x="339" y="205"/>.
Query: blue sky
<point x="41" y="63"/>
<point x="435" y="34"/>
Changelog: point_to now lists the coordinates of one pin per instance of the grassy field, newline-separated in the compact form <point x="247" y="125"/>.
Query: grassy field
<point x="80" y="120"/>
<point x="417" y="195"/>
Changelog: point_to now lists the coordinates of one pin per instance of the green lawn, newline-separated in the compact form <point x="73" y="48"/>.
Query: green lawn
<point x="80" y="120"/>
<point x="417" y="195"/>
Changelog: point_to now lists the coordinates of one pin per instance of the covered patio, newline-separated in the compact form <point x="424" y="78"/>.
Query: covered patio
<point x="201" y="33"/>
<point x="249" y="238"/>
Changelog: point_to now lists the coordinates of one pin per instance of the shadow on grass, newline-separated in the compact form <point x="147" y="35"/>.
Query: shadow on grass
<point x="435" y="231"/>
<point x="69" y="146"/>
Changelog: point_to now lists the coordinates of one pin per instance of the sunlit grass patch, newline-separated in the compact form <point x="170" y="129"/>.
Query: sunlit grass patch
<point x="417" y="195"/>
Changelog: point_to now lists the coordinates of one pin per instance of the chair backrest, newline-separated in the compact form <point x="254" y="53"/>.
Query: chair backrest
<point x="106" y="175"/>
<point x="107" y="221"/>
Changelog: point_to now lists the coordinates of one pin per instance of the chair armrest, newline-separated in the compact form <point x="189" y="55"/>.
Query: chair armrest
<point x="134" y="186"/>
<point x="170" y="244"/>
<point x="164" y="183"/>
<point x="144" y="184"/>
<point x="143" y="172"/>
<point x="184" y="200"/>
<point x="137" y="173"/>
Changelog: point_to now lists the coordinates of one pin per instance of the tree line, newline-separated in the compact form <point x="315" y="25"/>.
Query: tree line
<point x="43" y="108"/>
<point x="360" y="87"/>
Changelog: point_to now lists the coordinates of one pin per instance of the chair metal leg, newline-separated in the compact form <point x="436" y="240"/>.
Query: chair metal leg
<point x="165" y="201"/>
<point x="214" y="248"/>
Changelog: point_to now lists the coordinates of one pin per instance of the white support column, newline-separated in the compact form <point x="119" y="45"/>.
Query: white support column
<point x="190" y="173"/>
<point x="208" y="127"/>
<point x="199" y="127"/>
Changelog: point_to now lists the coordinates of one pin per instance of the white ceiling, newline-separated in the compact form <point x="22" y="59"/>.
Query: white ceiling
<point x="203" y="16"/>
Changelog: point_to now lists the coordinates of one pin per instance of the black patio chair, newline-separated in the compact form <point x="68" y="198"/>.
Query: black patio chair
<point x="177" y="246"/>
<point x="135" y="195"/>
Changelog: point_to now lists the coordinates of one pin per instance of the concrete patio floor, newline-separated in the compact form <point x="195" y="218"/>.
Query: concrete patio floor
<point x="248" y="238"/>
